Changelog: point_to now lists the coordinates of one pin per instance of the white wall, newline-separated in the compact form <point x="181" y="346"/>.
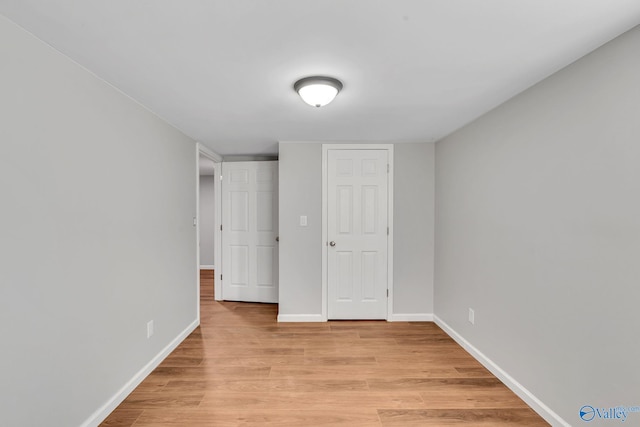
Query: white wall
<point x="538" y="230"/>
<point x="96" y="236"/>
<point x="300" y="247"/>
<point x="207" y="220"/>
<point x="300" y="256"/>
<point x="413" y="245"/>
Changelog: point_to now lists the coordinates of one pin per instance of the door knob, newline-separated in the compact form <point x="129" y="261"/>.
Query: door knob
<point x="332" y="243"/>
<point x="278" y="239"/>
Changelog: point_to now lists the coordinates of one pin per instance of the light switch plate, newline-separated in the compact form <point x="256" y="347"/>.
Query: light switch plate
<point x="303" y="220"/>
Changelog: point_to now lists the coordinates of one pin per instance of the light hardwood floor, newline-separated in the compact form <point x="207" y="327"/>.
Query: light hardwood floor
<point x="242" y="368"/>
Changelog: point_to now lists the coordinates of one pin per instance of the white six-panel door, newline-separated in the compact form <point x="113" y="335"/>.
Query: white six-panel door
<point x="250" y="229"/>
<point x="357" y="226"/>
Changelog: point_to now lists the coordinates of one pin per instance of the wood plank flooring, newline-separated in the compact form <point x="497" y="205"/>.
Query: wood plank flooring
<point x="242" y="368"/>
<point x="206" y="285"/>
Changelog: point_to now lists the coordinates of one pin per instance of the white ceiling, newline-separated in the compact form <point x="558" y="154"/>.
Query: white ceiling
<point x="413" y="70"/>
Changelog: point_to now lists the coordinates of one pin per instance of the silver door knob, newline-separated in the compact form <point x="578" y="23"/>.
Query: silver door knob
<point x="332" y="243"/>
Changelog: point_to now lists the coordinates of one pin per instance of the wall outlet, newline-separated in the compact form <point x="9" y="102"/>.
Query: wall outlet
<point x="472" y="316"/>
<point x="303" y="220"/>
<point x="149" y="328"/>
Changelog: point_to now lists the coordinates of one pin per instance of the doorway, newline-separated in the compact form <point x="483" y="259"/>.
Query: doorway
<point x="207" y="221"/>
<point x="208" y="169"/>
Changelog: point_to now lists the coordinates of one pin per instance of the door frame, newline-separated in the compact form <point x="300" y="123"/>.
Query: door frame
<point x="217" y="244"/>
<point x="325" y="220"/>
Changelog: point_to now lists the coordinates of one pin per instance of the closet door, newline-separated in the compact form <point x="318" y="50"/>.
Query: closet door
<point x="357" y="213"/>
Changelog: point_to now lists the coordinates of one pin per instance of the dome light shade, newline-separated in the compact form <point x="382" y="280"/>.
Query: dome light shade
<point x="317" y="91"/>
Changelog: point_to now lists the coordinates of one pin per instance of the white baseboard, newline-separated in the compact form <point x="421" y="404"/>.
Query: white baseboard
<point x="103" y="412"/>
<point x="411" y="317"/>
<point x="536" y="404"/>
<point x="301" y="318"/>
<point x="207" y="267"/>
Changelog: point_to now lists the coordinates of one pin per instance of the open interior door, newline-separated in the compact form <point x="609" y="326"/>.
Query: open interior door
<point x="250" y="231"/>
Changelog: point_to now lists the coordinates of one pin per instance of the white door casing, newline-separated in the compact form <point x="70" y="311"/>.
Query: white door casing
<point x="249" y="231"/>
<point x="357" y="241"/>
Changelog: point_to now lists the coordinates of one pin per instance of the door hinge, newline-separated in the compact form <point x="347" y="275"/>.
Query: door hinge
<point x="387" y="293"/>
<point x="387" y="231"/>
<point x="220" y="227"/>
<point x="387" y="167"/>
<point x="221" y="277"/>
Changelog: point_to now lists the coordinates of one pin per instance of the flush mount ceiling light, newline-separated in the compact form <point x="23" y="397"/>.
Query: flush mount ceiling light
<point x="317" y="90"/>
